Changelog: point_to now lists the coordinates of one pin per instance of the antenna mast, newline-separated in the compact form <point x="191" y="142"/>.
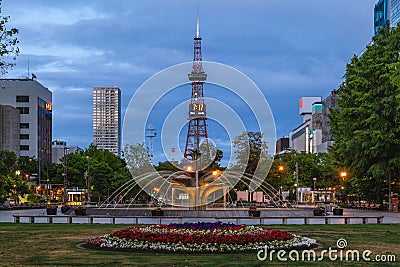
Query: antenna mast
<point x="150" y="134"/>
<point x="197" y="128"/>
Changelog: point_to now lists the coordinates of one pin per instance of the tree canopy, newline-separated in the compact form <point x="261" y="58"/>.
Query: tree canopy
<point x="12" y="183"/>
<point x="367" y="126"/>
<point x="320" y="166"/>
<point x="8" y="43"/>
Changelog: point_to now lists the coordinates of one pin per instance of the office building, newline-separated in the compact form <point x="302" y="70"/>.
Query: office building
<point x="301" y="138"/>
<point x="9" y="129"/>
<point x="282" y="145"/>
<point x="394" y="12"/>
<point x="314" y="135"/>
<point x="34" y="102"/>
<point x="386" y="13"/>
<point x="381" y="18"/>
<point x="107" y="119"/>
<point x="60" y="148"/>
<point x="328" y="104"/>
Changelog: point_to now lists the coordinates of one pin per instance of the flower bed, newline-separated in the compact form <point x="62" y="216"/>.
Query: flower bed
<point x="199" y="237"/>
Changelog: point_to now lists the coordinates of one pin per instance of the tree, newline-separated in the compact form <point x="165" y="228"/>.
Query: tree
<point x="249" y="146"/>
<point x="18" y="187"/>
<point x="12" y="183"/>
<point x="138" y="159"/>
<point x="166" y="166"/>
<point x="367" y="126"/>
<point x="99" y="168"/>
<point x="101" y="177"/>
<point x="251" y="154"/>
<point x="321" y="166"/>
<point x="8" y="162"/>
<point x="8" y="43"/>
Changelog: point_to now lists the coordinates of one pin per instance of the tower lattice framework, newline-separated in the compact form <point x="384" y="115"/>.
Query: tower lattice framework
<point x="197" y="127"/>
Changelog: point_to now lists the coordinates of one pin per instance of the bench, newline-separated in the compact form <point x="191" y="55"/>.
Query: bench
<point x="260" y="220"/>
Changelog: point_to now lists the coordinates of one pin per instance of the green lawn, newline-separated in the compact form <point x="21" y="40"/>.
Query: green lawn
<point x="56" y="245"/>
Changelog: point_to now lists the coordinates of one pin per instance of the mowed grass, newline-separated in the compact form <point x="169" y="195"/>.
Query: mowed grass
<point x="56" y="245"/>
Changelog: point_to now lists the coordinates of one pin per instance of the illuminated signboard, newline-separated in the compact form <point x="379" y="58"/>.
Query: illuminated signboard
<point x="48" y="106"/>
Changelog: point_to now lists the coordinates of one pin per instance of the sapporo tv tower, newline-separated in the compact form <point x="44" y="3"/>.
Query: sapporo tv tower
<point x="197" y="128"/>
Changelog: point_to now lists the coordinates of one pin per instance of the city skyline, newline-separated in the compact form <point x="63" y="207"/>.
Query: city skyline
<point x="123" y="44"/>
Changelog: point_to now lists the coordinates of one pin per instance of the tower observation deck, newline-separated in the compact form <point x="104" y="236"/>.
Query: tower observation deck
<point x="197" y="127"/>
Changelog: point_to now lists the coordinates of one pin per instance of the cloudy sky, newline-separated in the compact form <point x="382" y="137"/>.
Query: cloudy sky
<point x="289" y="48"/>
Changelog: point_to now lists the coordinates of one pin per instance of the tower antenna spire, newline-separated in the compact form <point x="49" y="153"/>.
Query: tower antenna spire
<point x="197" y="127"/>
<point x="198" y="24"/>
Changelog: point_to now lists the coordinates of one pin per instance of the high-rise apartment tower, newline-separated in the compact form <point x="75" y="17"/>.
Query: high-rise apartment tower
<point x="107" y="118"/>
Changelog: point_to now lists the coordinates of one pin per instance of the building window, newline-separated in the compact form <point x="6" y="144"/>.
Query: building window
<point x="24" y="147"/>
<point x="22" y="98"/>
<point x="24" y="136"/>
<point x="23" y="110"/>
<point x="24" y="125"/>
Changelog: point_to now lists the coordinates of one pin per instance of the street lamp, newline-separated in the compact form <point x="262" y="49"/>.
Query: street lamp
<point x="189" y="168"/>
<point x="215" y="173"/>
<point x="88" y="179"/>
<point x="315" y="180"/>
<point x="343" y="174"/>
<point x="40" y="151"/>
<point x="390" y="194"/>
<point x="296" y="174"/>
<point x="65" y="175"/>
<point x="40" y="174"/>
<point x="281" y="168"/>
<point x="313" y="193"/>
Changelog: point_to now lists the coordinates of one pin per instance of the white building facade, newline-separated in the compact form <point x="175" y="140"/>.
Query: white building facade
<point x="34" y="102"/>
<point x="303" y="138"/>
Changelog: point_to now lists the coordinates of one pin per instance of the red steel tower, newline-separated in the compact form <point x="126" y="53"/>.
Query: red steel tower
<point x="197" y="128"/>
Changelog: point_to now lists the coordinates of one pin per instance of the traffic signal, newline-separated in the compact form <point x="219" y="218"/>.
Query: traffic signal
<point x="27" y="176"/>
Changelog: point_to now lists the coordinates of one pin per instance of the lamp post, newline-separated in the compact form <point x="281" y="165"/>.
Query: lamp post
<point x="197" y="183"/>
<point x="88" y="179"/>
<point x="296" y="174"/>
<point x="343" y="175"/>
<point x="65" y="175"/>
<point x="40" y="174"/>
<point x="390" y="194"/>
<point x="315" y="181"/>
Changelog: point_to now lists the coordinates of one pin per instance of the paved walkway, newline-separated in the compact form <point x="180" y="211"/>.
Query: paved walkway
<point x="6" y="216"/>
<point x="390" y="217"/>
